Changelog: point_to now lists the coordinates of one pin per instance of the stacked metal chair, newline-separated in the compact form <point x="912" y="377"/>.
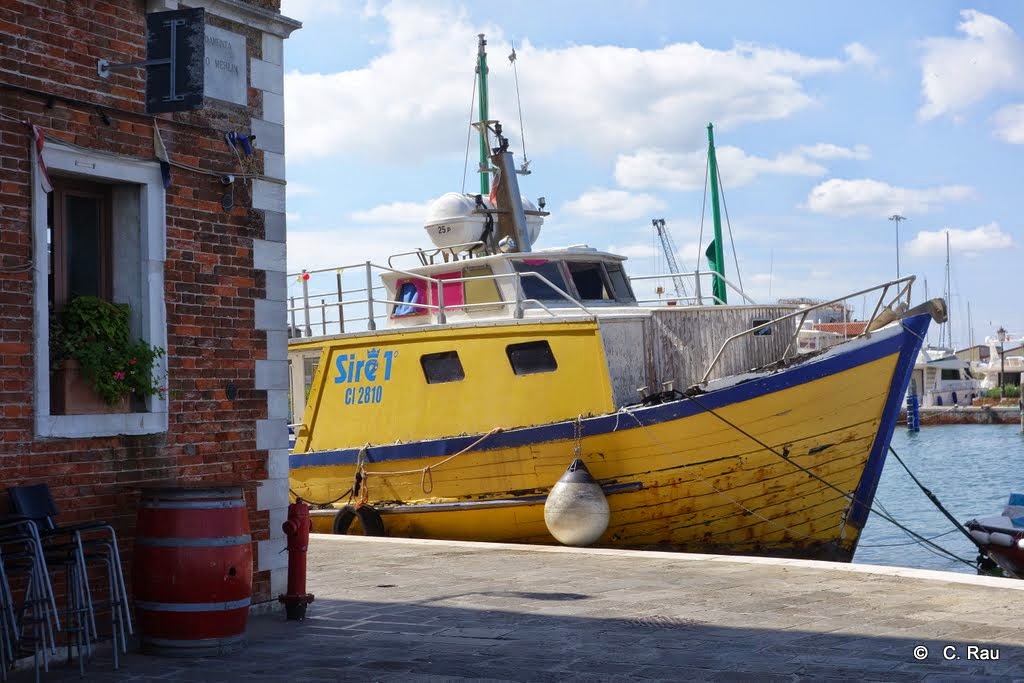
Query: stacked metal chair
<point x="31" y="625"/>
<point x="77" y="548"/>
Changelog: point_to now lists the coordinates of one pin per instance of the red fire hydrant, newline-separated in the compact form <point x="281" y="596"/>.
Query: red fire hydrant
<point x="296" y="528"/>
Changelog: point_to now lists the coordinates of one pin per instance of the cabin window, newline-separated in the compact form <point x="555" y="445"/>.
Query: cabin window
<point x="764" y="331"/>
<point x="950" y="374"/>
<point x="531" y="357"/>
<point x="535" y="288"/>
<point x="440" y="368"/>
<point x="620" y="284"/>
<point x="410" y="293"/>
<point x="481" y="291"/>
<point x="589" y="281"/>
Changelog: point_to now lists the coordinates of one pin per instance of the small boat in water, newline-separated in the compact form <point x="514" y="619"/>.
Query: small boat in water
<point x="451" y="405"/>
<point x="1001" y="537"/>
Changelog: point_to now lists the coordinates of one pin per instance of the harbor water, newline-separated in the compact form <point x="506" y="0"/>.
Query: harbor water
<point x="972" y="469"/>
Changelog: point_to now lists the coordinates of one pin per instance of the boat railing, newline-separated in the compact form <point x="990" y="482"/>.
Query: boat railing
<point x="333" y="313"/>
<point x="698" y="298"/>
<point x="890" y="296"/>
<point x="454" y="252"/>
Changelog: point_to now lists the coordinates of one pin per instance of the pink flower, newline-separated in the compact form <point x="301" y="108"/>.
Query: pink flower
<point x="132" y="362"/>
<point x="119" y="374"/>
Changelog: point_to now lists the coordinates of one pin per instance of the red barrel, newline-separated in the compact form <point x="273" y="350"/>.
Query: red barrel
<point x="192" y="574"/>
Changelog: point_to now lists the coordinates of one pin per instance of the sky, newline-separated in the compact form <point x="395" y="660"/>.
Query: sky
<point x="828" y="119"/>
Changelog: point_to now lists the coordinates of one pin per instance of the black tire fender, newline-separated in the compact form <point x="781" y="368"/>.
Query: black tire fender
<point x="369" y="518"/>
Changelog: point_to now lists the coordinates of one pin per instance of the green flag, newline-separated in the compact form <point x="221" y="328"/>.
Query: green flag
<point x="718" y="284"/>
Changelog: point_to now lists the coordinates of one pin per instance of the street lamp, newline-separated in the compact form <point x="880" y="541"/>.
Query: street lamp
<point x="897" y="218"/>
<point x="1001" y="334"/>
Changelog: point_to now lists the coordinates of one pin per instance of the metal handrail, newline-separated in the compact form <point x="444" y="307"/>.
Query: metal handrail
<point x="424" y="254"/>
<point x="904" y="291"/>
<point x="695" y="275"/>
<point x="438" y="308"/>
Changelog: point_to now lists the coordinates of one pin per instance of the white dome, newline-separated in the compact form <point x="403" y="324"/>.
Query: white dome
<point x="533" y="223"/>
<point x="450" y="220"/>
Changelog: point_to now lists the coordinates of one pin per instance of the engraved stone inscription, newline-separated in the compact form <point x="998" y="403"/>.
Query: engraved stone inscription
<point x="226" y="74"/>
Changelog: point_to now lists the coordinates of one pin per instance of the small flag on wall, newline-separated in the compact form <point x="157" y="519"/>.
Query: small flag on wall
<point x="37" y="144"/>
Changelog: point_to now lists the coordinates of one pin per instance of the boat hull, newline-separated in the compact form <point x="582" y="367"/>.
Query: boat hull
<point x="780" y="463"/>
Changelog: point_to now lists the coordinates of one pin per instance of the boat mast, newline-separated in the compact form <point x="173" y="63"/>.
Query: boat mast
<point x="949" y="296"/>
<point x="718" y="286"/>
<point x="485" y="153"/>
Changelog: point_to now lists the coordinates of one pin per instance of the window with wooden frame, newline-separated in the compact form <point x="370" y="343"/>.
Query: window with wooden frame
<point x="79" y="236"/>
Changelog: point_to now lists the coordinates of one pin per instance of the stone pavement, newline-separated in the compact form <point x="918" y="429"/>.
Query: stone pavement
<point x="398" y="609"/>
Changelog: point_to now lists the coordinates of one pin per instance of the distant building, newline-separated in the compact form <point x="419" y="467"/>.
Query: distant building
<point x="835" y="313"/>
<point x="99" y="197"/>
<point x="978" y="352"/>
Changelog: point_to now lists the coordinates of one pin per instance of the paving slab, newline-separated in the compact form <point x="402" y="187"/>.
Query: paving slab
<point x="401" y="609"/>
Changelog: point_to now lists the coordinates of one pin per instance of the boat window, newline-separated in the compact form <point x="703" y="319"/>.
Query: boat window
<point x="534" y="288"/>
<point x="443" y="367"/>
<point x="481" y="291"/>
<point x="620" y="284"/>
<point x="950" y="374"/>
<point x="410" y="293"/>
<point x="589" y="281"/>
<point x="531" y="357"/>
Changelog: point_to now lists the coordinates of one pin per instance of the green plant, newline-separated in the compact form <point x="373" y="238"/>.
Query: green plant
<point x="1008" y="391"/>
<point x="96" y="333"/>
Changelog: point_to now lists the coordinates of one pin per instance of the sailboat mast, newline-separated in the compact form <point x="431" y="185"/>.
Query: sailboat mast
<point x="719" y="259"/>
<point x="485" y="153"/>
<point x="949" y="297"/>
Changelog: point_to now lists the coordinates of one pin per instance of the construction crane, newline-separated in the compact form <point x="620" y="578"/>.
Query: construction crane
<point x="670" y="255"/>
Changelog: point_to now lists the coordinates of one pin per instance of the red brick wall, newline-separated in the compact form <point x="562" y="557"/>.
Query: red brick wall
<point x="49" y="48"/>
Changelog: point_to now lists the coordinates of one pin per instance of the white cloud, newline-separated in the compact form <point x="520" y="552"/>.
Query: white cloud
<point x="1009" y="124"/>
<point x="654" y="168"/>
<point x="860" y="55"/>
<point x="824" y="150"/>
<point x="412" y="101"/>
<point x="959" y="72"/>
<point x="299" y="190"/>
<point x="867" y="197"/>
<point x="614" y="205"/>
<point x="983" y="238"/>
<point x="395" y="213"/>
<point x="317" y="248"/>
<point x="305" y="10"/>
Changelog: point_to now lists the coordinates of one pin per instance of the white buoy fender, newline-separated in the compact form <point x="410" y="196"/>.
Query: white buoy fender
<point x="980" y="536"/>
<point x="576" y="511"/>
<point x="997" y="538"/>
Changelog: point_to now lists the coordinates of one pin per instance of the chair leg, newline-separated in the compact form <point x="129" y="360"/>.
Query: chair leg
<point x="120" y="580"/>
<point x="80" y="549"/>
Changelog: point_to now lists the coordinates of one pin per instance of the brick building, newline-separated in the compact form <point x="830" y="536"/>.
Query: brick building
<point x="200" y="262"/>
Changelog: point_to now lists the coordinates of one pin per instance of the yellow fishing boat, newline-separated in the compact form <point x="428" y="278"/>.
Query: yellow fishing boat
<point x="453" y="402"/>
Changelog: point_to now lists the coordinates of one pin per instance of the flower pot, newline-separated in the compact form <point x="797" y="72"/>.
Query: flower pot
<point x="71" y="394"/>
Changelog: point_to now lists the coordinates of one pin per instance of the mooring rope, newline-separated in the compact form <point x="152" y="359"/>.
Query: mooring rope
<point x="850" y="496"/>
<point x="714" y="488"/>
<point x="425" y="472"/>
<point x="934" y="499"/>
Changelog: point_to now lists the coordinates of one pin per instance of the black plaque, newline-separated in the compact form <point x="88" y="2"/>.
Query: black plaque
<point x="176" y="40"/>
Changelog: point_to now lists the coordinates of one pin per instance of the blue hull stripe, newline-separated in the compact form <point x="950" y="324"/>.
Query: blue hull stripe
<point x="865" y="494"/>
<point x="907" y="343"/>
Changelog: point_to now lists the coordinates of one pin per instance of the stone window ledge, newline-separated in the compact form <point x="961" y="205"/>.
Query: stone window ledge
<point x="84" y="426"/>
